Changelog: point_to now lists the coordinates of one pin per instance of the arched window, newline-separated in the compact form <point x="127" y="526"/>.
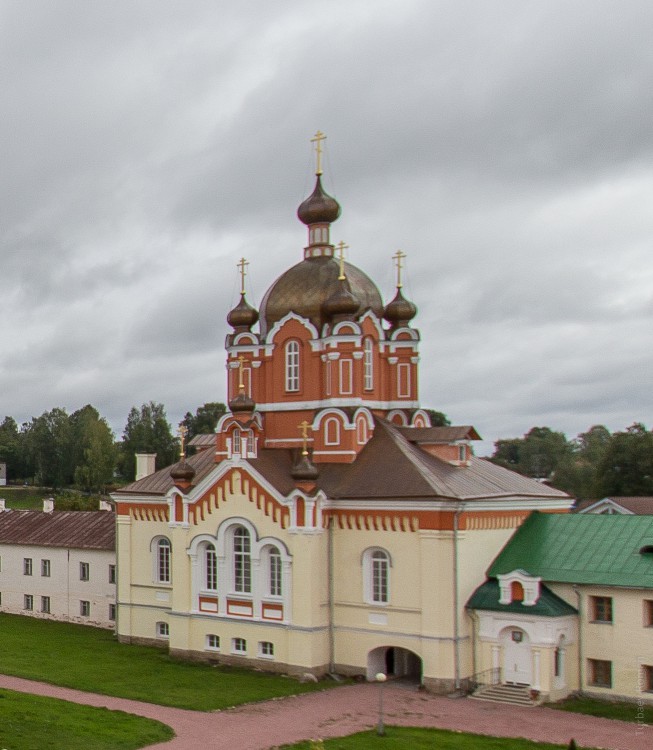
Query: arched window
<point x="210" y="568"/>
<point x="163" y="560"/>
<point x="332" y="431"/>
<point x="274" y="572"/>
<point x="376" y="575"/>
<point x="242" y="561"/>
<point x="368" y="364"/>
<point x="516" y="591"/>
<point x="235" y="441"/>
<point x="292" y="366"/>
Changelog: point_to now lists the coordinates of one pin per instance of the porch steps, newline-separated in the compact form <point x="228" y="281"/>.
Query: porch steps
<point x="517" y="695"/>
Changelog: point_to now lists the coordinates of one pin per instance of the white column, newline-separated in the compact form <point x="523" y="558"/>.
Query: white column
<point x="536" y="669"/>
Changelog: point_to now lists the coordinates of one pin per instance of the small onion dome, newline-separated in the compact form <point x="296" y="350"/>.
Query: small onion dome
<point x="243" y="315"/>
<point x="305" y="470"/>
<point x="341" y="302"/>
<point x="242" y="402"/>
<point x="400" y="310"/>
<point x="319" y="207"/>
<point x="182" y="473"/>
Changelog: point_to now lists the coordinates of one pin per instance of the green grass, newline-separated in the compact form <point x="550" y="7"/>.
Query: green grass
<point x="413" y="738"/>
<point x="607" y="709"/>
<point x="91" y="659"/>
<point x="24" y="498"/>
<point x="31" y="722"/>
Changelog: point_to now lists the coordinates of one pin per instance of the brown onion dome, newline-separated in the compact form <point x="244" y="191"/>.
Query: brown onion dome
<point x="243" y="315"/>
<point x="341" y="302"/>
<point x="400" y="310"/>
<point x="305" y="470"/>
<point x="182" y="472"/>
<point x="319" y="207"/>
<point x="242" y="403"/>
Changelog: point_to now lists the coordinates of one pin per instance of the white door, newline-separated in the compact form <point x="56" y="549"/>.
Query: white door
<point x="517" y="663"/>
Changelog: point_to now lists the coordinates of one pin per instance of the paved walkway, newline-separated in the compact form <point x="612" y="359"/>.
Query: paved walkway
<point x="344" y="710"/>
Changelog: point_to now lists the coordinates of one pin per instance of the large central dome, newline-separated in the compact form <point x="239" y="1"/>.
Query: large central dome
<point x="304" y="288"/>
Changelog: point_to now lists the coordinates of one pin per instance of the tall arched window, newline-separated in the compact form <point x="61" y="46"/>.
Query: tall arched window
<point x="210" y="568"/>
<point x="274" y="572"/>
<point x="368" y="364"/>
<point x="242" y="561"/>
<point x="163" y="558"/>
<point x="376" y="576"/>
<point x="292" y="366"/>
<point x="235" y="441"/>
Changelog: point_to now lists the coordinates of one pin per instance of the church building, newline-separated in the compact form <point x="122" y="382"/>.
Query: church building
<point x="326" y="526"/>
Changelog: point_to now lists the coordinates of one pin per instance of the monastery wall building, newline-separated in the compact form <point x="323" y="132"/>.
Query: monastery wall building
<point x="326" y="526"/>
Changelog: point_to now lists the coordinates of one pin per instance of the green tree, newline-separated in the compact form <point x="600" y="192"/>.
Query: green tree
<point x="627" y="464"/>
<point x="438" y="418"/>
<point x="47" y="442"/>
<point x="577" y="471"/>
<point x="147" y="431"/>
<point x="536" y="455"/>
<point x="205" y="419"/>
<point x="93" y="449"/>
<point x="10" y="452"/>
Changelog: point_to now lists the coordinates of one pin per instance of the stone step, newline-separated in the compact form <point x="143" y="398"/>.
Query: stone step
<point x="514" y="694"/>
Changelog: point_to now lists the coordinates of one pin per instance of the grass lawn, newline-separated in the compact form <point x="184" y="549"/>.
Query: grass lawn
<point x="30" y="722"/>
<point x="91" y="659"/>
<point x="24" y="498"/>
<point x="413" y="738"/>
<point x="606" y="709"/>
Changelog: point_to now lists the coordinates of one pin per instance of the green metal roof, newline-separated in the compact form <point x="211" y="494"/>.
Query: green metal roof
<point x="548" y="605"/>
<point x="574" y="548"/>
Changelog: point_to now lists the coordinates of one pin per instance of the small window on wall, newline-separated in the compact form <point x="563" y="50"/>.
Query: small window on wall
<point x="648" y="613"/>
<point x="162" y="630"/>
<point x="210" y="568"/>
<point x="85" y="608"/>
<point x="83" y="571"/>
<point x="368" y="365"/>
<point x="27" y="566"/>
<point x="212" y="642"/>
<point x="601" y="608"/>
<point x="28" y="602"/>
<point x="112" y="612"/>
<point x="238" y="645"/>
<point x="266" y="649"/>
<point x="112" y="573"/>
<point x="45" y="568"/>
<point x="292" y="366"/>
<point x="163" y="555"/>
<point x="600" y="673"/>
<point x="45" y="605"/>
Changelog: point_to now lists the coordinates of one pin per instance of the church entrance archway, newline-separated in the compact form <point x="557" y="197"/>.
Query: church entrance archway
<point x="394" y="662"/>
<point x="517" y="658"/>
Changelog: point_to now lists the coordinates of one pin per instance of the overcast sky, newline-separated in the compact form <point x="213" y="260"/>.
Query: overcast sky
<point x="506" y="147"/>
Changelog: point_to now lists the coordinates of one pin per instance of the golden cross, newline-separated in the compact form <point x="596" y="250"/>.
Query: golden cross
<point x="317" y="140"/>
<point x="399" y="256"/>
<point x="242" y="266"/>
<point x="304" y="430"/>
<point x="341" y="248"/>
<point x="183" y="431"/>
<point x="241" y="383"/>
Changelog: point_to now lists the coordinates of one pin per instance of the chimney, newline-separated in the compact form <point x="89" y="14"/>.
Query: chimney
<point x="48" y="505"/>
<point x="105" y="505"/>
<point x="145" y="465"/>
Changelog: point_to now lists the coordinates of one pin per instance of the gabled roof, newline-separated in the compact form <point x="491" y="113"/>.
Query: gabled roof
<point x="573" y="548"/>
<point x="449" y="434"/>
<point x="486" y="597"/>
<point x="160" y="481"/>
<point x="638" y="505"/>
<point x="73" y="529"/>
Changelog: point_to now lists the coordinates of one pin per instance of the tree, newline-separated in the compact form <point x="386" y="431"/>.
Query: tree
<point x="438" y="418"/>
<point x="47" y="442"/>
<point x="536" y="455"/>
<point x="577" y="472"/>
<point x="147" y="431"/>
<point x="627" y="464"/>
<point x="93" y="449"/>
<point x="10" y="452"/>
<point x="205" y="419"/>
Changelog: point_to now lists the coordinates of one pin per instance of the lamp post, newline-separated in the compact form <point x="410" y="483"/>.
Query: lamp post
<point x="380" y="678"/>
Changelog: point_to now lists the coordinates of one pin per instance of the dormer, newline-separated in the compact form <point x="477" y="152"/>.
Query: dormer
<point x="519" y="586"/>
<point x="450" y="444"/>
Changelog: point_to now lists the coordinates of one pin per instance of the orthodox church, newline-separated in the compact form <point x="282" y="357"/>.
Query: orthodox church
<point x="326" y="526"/>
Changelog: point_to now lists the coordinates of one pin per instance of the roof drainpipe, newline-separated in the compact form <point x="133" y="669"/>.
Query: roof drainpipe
<point x="456" y="615"/>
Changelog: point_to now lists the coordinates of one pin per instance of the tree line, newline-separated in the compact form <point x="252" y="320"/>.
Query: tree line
<point x="79" y="450"/>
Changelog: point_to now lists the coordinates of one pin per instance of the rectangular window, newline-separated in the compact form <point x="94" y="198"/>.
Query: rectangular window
<point x="112" y="612"/>
<point x="211" y="569"/>
<point x="45" y="568"/>
<point x="601" y="608"/>
<point x="648" y="613"/>
<point x="163" y="630"/>
<point x="346" y="379"/>
<point x="213" y="642"/>
<point x="403" y="380"/>
<point x="292" y="366"/>
<point x="379" y="578"/>
<point x="275" y="573"/>
<point x="242" y="562"/>
<point x="85" y="608"/>
<point x="28" y="602"/>
<point x="83" y="571"/>
<point x="600" y="673"/>
<point x="112" y="573"/>
<point x="27" y="566"/>
<point x="647" y="678"/>
<point x="45" y="605"/>
<point x="239" y="645"/>
<point x="265" y="648"/>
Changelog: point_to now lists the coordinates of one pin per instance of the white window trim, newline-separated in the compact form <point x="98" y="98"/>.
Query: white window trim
<point x="292" y="366"/>
<point x="346" y="377"/>
<point x="368" y="576"/>
<point x="368" y="364"/>
<point x="154" y="549"/>
<point x="403" y="380"/>
<point x="327" y="422"/>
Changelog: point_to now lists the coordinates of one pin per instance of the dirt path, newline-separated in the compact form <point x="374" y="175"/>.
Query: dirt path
<point x="350" y="709"/>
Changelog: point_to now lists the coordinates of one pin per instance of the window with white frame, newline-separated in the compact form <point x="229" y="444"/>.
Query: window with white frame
<point x="163" y="552"/>
<point x="83" y="571"/>
<point x="368" y="364"/>
<point x="28" y="602"/>
<point x="242" y="560"/>
<point x="85" y="608"/>
<point x="112" y="612"/>
<point x="162" y="630"/>
<point x="112" y="573"/>
<point x="235" y="441"/>
<point x="212" y="642"/>
<point x="45" y="568"/>
<point x="274" y="571"/>
<point x="45" y="605"/>
<point x="292" y="366"/>
<point x="210" y="568"/>
<point x="266" y="649"/>
<point x="376" y="576"/>
<point x="238" y="646"/>
<point x="27" y="566"/>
